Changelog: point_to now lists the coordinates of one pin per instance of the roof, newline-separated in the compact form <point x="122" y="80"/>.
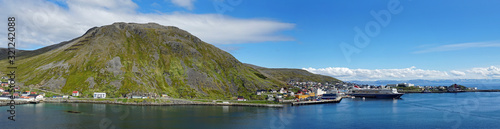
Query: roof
<point x="75" y="91"/>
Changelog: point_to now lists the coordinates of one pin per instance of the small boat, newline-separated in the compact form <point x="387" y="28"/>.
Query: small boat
<point x="34" y="101"/>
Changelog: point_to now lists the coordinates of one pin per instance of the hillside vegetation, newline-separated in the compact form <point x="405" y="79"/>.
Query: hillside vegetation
<point x="125" y="59"/>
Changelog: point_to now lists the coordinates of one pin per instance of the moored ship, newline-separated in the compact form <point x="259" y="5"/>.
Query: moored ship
<point x="376" y="93"/>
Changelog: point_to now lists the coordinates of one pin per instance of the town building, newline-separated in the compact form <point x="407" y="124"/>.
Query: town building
<point x="138" y="97"/>
<point x="11" y="81"/>
<point x="240" y="98"/>
<point x="260" y="92"/>
<point x="76" y="93"/>
<point x="57" y="96"/>
<point x="35" y="96"/>
<point x="319" y="91"/>
<point x="283" y="90"/>
<point x="99" y="95"/>
<point x="25" y="93"/>
<point x="405" y="85"/>
<point x="5" y="84"/>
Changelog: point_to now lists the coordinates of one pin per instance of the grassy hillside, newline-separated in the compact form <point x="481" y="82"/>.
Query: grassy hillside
<point x="125" y="59"/>
<point x="140" y="59"/>
<point x="287" y="75"/>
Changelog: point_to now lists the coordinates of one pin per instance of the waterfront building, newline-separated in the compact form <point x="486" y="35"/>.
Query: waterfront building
<point x="99" y="95"/>
<point x="164" y="95"/>
<point x="405" y="85"/>
<point x="240" y="98"/>
<point x="25" y="93"/>
<point x="76" y="93"/>
<point x="35" y="97"/>
<point x="57" y="96"/>
<point x="319" y="91"/>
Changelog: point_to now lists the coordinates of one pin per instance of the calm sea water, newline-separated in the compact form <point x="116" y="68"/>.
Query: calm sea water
<point x="446" y="110"/>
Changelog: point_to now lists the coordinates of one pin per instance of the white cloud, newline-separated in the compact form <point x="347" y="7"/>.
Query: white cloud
<point x="457" y="73"/>
<point x="492" y="71"/>
<point x="42" y="23"/>
<point x="188" y="4"/>
<point x="460" y="46"/>
<point x="406" y="73"/>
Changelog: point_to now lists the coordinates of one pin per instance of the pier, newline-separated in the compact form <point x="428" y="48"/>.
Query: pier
<point x="337" y="100"/>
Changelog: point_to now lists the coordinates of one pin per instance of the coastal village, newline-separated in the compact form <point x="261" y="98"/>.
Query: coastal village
<point x="296" y="92"/>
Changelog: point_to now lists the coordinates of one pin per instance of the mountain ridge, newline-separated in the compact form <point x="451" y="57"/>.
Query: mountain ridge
<point x="124" y="59"/>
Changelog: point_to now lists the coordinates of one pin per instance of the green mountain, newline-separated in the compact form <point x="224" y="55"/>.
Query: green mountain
<point x="125" y="59"/>
<point x="287" y="75"/>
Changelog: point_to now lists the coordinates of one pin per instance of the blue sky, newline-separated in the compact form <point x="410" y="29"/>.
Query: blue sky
<point x="425" y="39"/>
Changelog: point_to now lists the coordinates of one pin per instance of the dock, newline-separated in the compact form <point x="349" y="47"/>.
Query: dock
<point x="337" y="100"/>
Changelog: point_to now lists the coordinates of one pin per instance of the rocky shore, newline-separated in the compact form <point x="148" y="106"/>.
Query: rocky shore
<point x="6" y="103"/>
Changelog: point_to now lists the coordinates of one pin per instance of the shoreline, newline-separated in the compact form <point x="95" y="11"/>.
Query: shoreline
<point x="493" y="90"/>
<point x="6" y="103"/>
<point x="173" y="103"/>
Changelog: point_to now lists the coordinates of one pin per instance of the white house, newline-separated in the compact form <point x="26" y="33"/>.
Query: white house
<point x="137" y="97"/>
<point x="99" y="95"/>
<point x="283" y="90"/>
<point x="36" y="97"/>
<point x="1" y="90"/>
<point x="11" y="81"/>
<point x="76" y="93"/>
<point x="319" y="91"/>
<point x="405" y="85"/>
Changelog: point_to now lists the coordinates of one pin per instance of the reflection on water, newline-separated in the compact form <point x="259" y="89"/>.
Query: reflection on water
<point x="225" y="109"/>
